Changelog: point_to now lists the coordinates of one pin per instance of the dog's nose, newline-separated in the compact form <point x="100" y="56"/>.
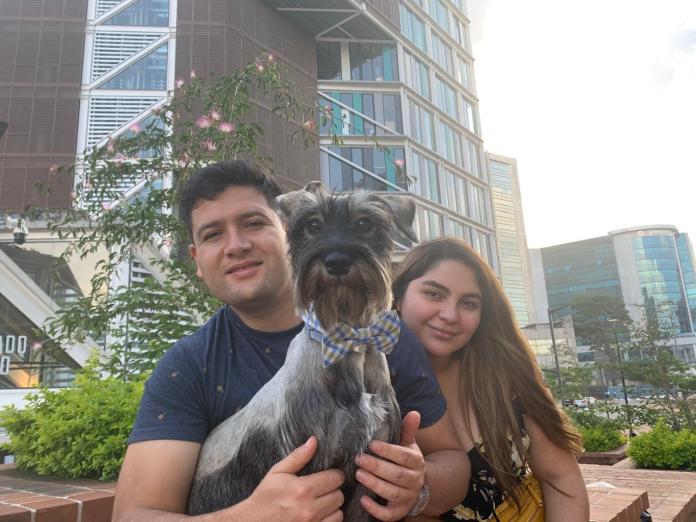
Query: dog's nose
<point x="337" y="264"/>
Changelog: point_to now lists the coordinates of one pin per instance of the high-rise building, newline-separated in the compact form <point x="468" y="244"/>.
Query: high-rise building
<point x="515" y="273"/>
<point x="647" y="268"/>
<point x="395" y="78"/>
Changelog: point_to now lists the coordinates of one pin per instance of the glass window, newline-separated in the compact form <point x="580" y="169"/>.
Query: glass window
<point x="471" y="158"/>
<point x="429" y="223"/>
<point x="386" y="164"/>
<point x="450" y="144"/>
<point x="416" y="75"/>
<point x="425" y="178"/>
<point x="150" y="13"/>
<point x="383" y="108"/>
<point x="446" y="98"/>
<point x="373" y="62"/>
<point x="412" y="27"/>
<point x="148" y="73"/>
<point x="328" y="60"/>
<point x="442" y="54"/>
<point x="421" y="125"/>
<point x="477" y="204"/>
<point x="469" y="119"/>
<point x="455" y="193"/>
<point x="439" y="12"/>
<point x="462" y="73"/>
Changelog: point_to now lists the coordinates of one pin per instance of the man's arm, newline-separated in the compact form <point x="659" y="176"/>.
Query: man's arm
<point x="397" y="473"/>
<point x="156" y="477"/>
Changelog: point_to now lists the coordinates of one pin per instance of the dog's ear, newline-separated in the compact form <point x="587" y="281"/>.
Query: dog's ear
<point x="291" y="201"/>
<point x="404" y="209"/>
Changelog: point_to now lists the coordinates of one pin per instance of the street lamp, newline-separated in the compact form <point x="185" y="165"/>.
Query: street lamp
<point x="555" y="351"/>
<point x="631" y="433"/>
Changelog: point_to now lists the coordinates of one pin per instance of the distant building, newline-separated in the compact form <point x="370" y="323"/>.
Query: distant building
<point x="539" y="338"/>
<point x="649" y="268"/>
<point x="511" y="235"/>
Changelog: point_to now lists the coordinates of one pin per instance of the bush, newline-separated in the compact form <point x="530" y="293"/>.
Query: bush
<point x="664" y="448"/>
<point x="601" y="438"/>
<point x="79" y="432"/>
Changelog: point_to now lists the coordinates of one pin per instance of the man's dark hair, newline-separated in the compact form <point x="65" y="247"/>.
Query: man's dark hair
<point x="209" y="182"/>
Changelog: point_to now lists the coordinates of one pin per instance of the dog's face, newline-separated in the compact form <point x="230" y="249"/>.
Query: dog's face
<point x="340" y="248"/>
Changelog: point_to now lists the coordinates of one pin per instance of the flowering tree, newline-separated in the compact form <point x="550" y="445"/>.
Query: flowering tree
<point x="203" y="122"/>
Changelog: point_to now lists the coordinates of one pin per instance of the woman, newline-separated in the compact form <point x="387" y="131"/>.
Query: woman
<point x="502" y="411"/>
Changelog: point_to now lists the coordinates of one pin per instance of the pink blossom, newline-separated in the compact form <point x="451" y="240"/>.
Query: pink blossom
<point x="271" y="57"/>
<point x="399" y="163"/>
<point x="209" y="145"/>
<point x="179" y="83"/>
<point x="193" y="73"/>
<point x="167" y="242"/>
<point x="226" y="127"/>
<point x="106" y="206"/>
<point x="53" y="169"/>
<point x="215" y="115"/>
<point x="73" y="195"/>
<point x="260" y="67"/>
<point x="36" y="345"/>
<point x="182" y="163"/>
<point x="110" y="145"/>
<point x="309" y="125"/>
<point x="203" y="122"/>
<point x="135" y="128"/>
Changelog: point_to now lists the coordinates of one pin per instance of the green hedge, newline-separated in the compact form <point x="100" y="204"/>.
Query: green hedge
<point x="664" y="448"/>
<point x="79" y="432"/>
<point x="601" y="438"/>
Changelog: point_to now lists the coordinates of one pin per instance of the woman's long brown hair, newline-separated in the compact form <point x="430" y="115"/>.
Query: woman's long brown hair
<point x="497" y="365"/>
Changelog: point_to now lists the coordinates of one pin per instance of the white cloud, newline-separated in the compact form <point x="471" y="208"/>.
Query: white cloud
<point x="596" y="100"/>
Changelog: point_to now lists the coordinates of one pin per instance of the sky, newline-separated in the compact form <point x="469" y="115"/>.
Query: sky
<point x="596" y="99"/>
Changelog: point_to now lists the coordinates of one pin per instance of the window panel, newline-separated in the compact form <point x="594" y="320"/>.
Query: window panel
<point x="148" y="73"/>
<point x="412" y="27"/>
<point x="373" y="62"/>
<point x="143" y="13"/>
<point x="329" y="61"/>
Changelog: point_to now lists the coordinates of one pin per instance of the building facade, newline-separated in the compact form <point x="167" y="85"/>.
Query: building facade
<point x="650" y="269"/>
<point x="511" y="236"/>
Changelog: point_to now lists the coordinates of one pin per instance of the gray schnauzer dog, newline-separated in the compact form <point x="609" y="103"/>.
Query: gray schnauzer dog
<point x="334" y="383"/>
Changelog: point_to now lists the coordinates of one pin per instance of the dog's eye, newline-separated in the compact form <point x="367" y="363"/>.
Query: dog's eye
<point x="314" y="226"/>
<point x="363" y="225"/>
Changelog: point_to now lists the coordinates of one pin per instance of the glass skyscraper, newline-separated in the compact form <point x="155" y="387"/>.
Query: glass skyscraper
<point x="646" y="267"/>
<point x="510" y="233"/>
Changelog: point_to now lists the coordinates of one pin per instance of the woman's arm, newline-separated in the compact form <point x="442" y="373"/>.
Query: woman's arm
<point x="447" y="466"/>
<point x="554" y="465"/>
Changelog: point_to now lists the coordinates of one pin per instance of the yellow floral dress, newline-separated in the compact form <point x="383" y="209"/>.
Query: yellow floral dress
<point x="484" y="495"/>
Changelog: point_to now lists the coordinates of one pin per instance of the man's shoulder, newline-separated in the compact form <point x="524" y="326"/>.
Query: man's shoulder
<point x="198" y="342"/>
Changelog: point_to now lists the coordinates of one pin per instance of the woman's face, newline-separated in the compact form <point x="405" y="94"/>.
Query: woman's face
<point x="443" y="308"/>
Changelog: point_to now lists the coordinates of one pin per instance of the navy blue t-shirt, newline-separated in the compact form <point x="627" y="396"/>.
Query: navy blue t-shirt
<point x="206" y="377"/>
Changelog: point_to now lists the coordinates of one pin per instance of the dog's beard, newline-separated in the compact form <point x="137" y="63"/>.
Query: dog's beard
<point x="355" y="298"/>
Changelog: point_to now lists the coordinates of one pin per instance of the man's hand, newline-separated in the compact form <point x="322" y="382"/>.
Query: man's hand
<point x="282" y="495"/>
<point x="397" y="473"/>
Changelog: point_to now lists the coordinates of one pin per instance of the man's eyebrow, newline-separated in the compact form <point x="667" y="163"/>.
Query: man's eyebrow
<point x="241" y="217"/>
<point x="206" y="226"/>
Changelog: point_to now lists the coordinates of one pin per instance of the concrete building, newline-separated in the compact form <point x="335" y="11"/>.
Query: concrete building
<point x="396" y="76"/>
<point x="510" y="232"/>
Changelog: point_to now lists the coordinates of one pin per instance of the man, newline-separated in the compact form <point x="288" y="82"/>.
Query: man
<point x="239" y="246"/>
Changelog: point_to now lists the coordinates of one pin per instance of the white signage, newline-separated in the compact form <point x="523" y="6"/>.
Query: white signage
<point x="11" y="344"/>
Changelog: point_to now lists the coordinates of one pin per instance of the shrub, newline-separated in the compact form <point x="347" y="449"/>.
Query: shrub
<point x="664" y="448"/>
<point x="601" y="438"/>
<point x="79" y="432"/>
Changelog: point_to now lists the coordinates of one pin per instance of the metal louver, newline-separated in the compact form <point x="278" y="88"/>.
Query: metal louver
<point x="106" y="114"/>
<point x="113" y="48"/>
<point x="106" y="5"/>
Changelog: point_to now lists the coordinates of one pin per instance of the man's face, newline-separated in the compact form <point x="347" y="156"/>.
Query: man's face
<point x="240" y="249"/>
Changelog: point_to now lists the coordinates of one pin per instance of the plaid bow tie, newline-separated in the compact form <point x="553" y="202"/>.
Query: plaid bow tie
<point x="342" y="338"/>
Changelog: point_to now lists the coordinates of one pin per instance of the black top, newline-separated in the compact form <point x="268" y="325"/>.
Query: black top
<point x="206" y="377"/>
<point x="484" y="494"/>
